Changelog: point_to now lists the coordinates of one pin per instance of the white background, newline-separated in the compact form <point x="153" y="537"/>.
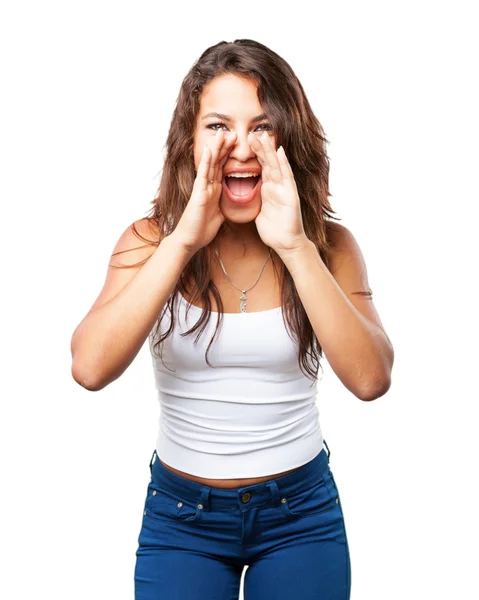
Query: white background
<point x="88" y="91"/>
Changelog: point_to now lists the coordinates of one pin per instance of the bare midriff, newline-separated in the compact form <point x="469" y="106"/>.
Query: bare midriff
<point x="225" y="483"/>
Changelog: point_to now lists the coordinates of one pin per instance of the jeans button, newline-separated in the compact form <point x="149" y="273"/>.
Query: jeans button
<point x="245" y="497"/>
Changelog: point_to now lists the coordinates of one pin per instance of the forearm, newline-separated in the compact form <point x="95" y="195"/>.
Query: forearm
<point x="109" y="338"/>
<point x="358" y="350"/>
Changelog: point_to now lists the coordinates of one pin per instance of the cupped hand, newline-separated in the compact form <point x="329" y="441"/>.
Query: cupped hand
<point x="202" y="216"/>
<point x="279" y="222"/>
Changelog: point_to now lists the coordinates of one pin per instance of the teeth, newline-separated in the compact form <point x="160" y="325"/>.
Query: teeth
<point x="242" y="175"/>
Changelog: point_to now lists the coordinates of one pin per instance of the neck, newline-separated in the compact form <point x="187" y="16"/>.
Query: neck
<point x="241" y="244"/>
<point x="243" y="236"/>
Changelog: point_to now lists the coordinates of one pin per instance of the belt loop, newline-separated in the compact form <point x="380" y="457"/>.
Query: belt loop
<point x="273" y="488"/>
<point x="205" y="497"/>
<point x="152" y="460"/>
<point x="329" y="453"/>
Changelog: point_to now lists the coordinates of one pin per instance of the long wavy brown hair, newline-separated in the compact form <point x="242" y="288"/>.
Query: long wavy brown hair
<point x="297" y="129"/>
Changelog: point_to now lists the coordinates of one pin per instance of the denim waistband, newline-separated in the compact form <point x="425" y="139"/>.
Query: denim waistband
<point x="253" y="495"/>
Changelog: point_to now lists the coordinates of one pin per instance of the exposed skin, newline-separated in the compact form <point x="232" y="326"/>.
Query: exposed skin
<point x="225" y="483"/>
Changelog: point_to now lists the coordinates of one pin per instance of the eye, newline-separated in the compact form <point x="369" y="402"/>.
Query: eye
<point x="213" y="125"/>
<point x="267" y="126"/>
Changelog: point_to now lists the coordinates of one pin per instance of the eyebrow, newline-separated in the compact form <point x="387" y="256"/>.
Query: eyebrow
<point x="217" y="115"/>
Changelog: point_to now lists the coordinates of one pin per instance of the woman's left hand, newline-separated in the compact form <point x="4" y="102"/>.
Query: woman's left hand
<point x="279" y="222"/>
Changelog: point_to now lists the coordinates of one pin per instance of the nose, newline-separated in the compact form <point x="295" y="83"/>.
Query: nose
<point x="241" y="150"/>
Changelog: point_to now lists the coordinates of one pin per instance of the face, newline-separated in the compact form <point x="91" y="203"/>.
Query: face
<point x="236" y="98"/>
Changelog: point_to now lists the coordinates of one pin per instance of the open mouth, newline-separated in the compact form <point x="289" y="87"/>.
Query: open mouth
<point x="241" y="189"/>
<point x="241" y="186"/>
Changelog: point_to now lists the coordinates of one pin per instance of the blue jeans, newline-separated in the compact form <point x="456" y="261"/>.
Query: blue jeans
<point x="289" y="532"/>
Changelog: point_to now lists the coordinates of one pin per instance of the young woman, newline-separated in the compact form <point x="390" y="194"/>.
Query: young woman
<point x="241" y="229"/>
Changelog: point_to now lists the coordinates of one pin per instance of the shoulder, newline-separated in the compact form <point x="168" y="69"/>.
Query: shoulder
<point x="347" y="262"/>
<point x="137" y="242"/>
<point x="147" y="229"/>
<point x="134" y="247"/>
<point x="338" y="234"/>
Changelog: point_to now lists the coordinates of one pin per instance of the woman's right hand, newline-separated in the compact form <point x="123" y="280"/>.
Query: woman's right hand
<point x="202" y="216"/>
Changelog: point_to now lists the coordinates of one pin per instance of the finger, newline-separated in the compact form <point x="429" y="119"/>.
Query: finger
<point x="217" y="141"/>
<point x="224" y="148"/>
<point x="283" y="162"/>
<point x="286" y="167"/>
<point x="275" y="172"/>
<point x="203" y="169"/>
<point x="229" y="140"/>
<point x="257" y="149"/>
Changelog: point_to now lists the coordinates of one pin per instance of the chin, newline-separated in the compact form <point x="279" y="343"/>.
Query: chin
<point x="240" y="213"/>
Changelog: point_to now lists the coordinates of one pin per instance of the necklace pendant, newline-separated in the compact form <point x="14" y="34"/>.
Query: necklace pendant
<point x="243" y="302"/>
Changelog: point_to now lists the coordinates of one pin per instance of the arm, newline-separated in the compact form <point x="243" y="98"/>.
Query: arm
<point x="346" y="324"/>
<point x="112" y="333"/>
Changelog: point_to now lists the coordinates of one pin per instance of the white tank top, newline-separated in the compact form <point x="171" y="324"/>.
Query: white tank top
<point x="254" y="414"/>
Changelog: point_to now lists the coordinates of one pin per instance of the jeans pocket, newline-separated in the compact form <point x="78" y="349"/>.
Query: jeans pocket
<point x="161" y="505"/>
<point x="311" y="501"/>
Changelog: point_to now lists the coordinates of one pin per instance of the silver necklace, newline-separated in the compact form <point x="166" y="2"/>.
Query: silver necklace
<point x="243" y="296"/>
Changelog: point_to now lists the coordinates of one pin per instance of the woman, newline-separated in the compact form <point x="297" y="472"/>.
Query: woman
<point x="241" y="228"/>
